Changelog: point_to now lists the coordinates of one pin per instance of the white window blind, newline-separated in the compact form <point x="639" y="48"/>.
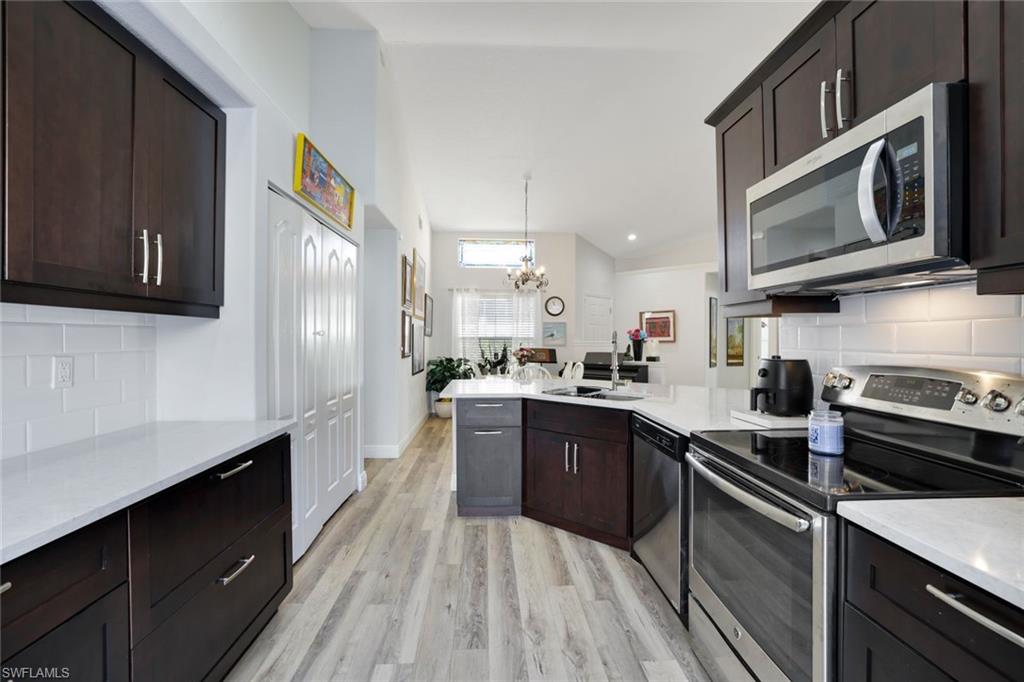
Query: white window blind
<point x="485" y="321"/>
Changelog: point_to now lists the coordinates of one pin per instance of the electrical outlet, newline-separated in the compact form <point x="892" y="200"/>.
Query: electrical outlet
<point x="63" y="372"/>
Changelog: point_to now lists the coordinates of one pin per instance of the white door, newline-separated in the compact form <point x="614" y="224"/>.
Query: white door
<point x="349" y="370"/>
<point x="314" y="450"/>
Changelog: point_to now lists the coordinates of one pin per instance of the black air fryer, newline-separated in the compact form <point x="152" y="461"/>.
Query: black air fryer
<point x="783" y="388"/>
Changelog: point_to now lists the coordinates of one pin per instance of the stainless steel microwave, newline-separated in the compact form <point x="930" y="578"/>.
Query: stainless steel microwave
<point x="880" y="206"/>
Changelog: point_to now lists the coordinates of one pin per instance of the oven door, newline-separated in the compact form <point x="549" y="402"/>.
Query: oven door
<point x="762" y="566"/>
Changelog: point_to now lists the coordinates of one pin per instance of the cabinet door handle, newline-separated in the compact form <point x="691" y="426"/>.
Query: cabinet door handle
<point x="840" y="79"/>
<point x="241" y="467"/>
<point x="244" y="564"/>
<point x="953" y="601"/>
<point x="145" y="256"/>
<point x="566" y="456"/>
<point x="575" y="458"/>
<point x="487" y="433"/>
<point x="489" y="405"/>
<point x="6" y="586"/>
<point x="159" y="258"/>
<point x="825" y="90"/>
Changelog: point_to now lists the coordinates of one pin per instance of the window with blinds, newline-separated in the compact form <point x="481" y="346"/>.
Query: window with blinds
<point x="494" y="253"/>
<point x="485" y="322"/>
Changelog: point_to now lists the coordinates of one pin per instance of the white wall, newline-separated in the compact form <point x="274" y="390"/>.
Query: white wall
<point x="693" y="252"/>
<point x="680" y="289"/>
<point x="948" y="327"/>
<point x="595" y="276"/>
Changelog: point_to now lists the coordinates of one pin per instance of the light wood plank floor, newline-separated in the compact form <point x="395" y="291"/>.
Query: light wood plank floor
<point x="397" y="587"/>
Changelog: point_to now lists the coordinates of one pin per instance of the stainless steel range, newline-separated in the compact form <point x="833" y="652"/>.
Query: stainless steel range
<point x="762" y="535"/>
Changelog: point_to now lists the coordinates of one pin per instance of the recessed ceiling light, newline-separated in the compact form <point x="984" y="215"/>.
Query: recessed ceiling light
<point x="631" y="237"/>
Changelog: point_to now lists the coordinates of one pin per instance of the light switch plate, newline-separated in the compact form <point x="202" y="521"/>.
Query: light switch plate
<point x="63" y="372"/>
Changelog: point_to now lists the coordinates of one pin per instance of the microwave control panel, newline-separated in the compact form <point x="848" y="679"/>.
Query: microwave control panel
<point x="907" y="145"/>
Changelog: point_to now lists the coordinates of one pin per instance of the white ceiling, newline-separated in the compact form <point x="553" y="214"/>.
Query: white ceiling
<point x="602" y="102"/>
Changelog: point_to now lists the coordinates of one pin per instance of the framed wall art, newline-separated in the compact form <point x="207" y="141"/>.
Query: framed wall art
<point x="406" y="334"/>
<point x="735" y="347"/>
<point x="418" y="349"/>
<point x="553" y="334"/>
<point x="712" y="332"/>
<point x="428" y="315"/>
<point x="406" y="282"/>
<point x="320" y="183"/>
<point x="419" y="283"/>
<point x="659" y="324"/>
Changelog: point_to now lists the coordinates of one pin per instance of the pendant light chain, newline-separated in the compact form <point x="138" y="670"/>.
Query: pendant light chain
<point x="527" y="274"/>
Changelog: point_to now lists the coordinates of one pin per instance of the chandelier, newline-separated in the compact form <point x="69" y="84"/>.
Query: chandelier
<point x="527" y="274"/>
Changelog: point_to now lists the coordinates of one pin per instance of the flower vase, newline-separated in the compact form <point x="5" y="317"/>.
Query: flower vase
<point x="638" y="350"/>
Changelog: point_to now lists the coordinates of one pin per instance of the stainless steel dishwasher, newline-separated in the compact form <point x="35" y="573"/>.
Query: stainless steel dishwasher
<point x="659" y="484"/>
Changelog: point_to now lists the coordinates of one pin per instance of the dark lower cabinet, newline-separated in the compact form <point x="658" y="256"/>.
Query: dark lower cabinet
<point x="549" y="482"/>
<point x="996" y="150"/>
<point x="870" y="654"/>
<point x="91" y="646"/>
<point x="603" y="471"/>
<point x="114" y="169"/>
<point x="490" y="466"/>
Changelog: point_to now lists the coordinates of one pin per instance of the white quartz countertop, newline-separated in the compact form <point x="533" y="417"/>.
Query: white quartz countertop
<point x="683" y="409"/>
<point x="980" y="540"/>
<point x="50" y="493"/>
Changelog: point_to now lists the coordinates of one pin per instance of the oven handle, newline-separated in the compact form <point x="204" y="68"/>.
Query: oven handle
<point x="779" y="516"/>
<point x="865" y="196"/>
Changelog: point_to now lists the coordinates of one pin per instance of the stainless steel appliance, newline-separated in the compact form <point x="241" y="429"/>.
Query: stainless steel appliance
<point x="763" y="550"/>
<point x="783" y="388"/>
<point x="878" y="207"/>
<point x="659" y="540"/>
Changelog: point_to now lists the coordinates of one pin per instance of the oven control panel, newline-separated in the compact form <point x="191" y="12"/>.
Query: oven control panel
<point x="982" y="400"/>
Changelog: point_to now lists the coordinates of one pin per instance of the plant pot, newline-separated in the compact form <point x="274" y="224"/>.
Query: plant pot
<point x="443" y="409"/>
<point x="638" y="350"/>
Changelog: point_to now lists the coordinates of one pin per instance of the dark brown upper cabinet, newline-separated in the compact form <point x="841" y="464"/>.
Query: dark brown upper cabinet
<point x="793" y="125"/>
<point x="887" y="50"/>
<point x="996" y="153"/>
<point x="114" y="169"/>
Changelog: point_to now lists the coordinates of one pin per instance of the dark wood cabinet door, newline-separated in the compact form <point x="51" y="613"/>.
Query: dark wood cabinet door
<point x="891" y="49"/>
<point x="871" y="653"/>
<point x="550" y="487"/>
<point x="69" y="147"/>
<point x="996" y="154"/>
<point x="90" y="646"/>
<point x="181" y="187"/>
<point x="793" y="98"/>
<point x="602" y="470"/>
<point x="740" y="164"/>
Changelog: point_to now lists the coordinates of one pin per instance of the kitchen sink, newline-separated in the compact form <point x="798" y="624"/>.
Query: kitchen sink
<point x="595" y="392"/>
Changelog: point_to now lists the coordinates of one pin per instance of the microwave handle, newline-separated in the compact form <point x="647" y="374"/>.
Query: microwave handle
<point x="865" y="196"/>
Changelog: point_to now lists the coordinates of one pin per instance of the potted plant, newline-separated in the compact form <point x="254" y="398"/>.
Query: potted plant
<point x="442" y="371"/>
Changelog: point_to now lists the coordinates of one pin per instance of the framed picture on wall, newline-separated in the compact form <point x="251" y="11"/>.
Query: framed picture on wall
<point x="406" y="282"/>
<point x="712" y="332"/>
<point x="554" y="334"/>
<point x="419" y="283"/>
<point x="406" y="334"/>
<point x="320" y="183"/>
<point x="659" y="324"/>
<point x="735" y="347"/>
<point x="418" y="350"/>
<point x="428" y="315"/>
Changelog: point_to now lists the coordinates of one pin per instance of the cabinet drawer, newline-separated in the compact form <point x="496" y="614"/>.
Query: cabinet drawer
<point x="176" y="533"/>
<point x="54" y="582"/>
<point x="490" y="470"/>
<point x="192" y="642"/>
<point x="871" y="653"/>
<point x="590" y="422"/>
<point x="91" y="645"/>
<point x="891" y="586"/>
<point x="489" y="412"/>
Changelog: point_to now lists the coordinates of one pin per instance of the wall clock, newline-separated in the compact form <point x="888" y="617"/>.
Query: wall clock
<point x="554" y="306"/>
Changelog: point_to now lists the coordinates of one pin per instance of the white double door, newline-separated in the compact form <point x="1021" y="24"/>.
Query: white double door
<point x="314" y="361"/>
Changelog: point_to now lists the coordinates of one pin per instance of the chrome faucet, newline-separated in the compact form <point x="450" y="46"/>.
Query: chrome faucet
<point x="616" y="382"/>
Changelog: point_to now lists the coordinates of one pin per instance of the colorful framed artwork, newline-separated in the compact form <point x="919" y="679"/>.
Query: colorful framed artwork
<point x="406" y="334"/>
<point x="428" y="315"/>
<point x="735" y="348"/>
<point x="320" y="183"/>
<point x="406" y="282"/>
<point x="418" y="344"/>
<point x="419" y="283"/>
<point x="659" y="324"/>
<point x="712" y="332"/>
<point x="553" y="334"/>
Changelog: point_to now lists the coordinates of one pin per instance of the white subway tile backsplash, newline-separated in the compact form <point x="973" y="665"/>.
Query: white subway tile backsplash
<point x="23" y="339"/>
<point x="788" y="336"/>
<point x="851" y="311"/>
<point x="899" y="306"/>
<point x="869" y="337"/>
<point x="1009" y="365"/>
<point x="936" y="337"/>
<point x="819" y="338"/>
<point x="961" y="303"/>
<point x="114" y="383"/>
<point x="998" y="337"/>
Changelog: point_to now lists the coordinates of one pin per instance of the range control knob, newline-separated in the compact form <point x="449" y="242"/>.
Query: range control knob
<point x="830" y="379"/>
<point x="844" y="381"/>
<point x="967" y="396"/>
<point x="995" y="401"/>
<point x="1020" y="407"/>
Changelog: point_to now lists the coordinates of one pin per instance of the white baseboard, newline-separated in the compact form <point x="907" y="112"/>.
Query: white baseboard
<point x="380" y="452"/>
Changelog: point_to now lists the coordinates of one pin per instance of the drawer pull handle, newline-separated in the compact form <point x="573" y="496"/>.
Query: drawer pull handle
<point x="566" y="456"/>
<point x="487" y="433"/>
<point x="953" y="601"/>
<point x="575" y="458"/>
<point x="6" y="586"/>
<point x="244" y="564"/>
<point x="241" y="467"/>
<point x="489" y="405"/>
